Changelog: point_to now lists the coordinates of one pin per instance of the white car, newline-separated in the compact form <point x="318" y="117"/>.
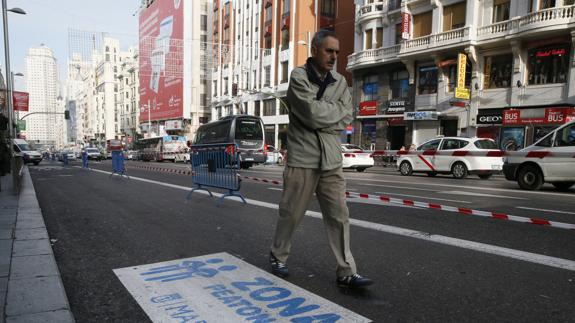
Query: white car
<point x="532" y="173"/>
<point x="356" y="158"/>
<point x="458" y="166"/>
<point x="274" y="156"/>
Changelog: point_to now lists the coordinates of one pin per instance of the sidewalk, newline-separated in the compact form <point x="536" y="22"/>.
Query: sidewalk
<point x="31" y="289"/>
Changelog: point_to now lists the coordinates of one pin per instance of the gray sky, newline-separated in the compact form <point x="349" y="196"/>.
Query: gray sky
<point x="47" y="22"/>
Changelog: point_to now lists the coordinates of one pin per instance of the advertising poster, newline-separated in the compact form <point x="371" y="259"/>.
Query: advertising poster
<point x="20" y="100"/>
<point x="512" y="138"/>
<point x="161" y="60"/>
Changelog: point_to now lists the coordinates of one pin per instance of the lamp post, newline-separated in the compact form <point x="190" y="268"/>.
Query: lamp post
<point x="9" y="85"/>
<point x="12" y="74"/>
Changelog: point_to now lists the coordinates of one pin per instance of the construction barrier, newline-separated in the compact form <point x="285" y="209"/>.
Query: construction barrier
<point x="118" y="166"/>
<point x="216" y="165"/>
<point x="479" y="153"/>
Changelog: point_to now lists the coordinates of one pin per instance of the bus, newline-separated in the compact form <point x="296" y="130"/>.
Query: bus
<point x="161" y="148"/>
<point x="247" y="132"/>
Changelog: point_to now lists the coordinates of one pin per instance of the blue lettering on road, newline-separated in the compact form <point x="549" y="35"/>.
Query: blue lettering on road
<point x="260" y="295"/>
<point x="187" y="269"/>
<point x="176" y="308"/>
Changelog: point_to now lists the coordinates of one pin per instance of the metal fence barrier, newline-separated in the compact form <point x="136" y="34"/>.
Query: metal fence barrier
<point x="216" y="165"/>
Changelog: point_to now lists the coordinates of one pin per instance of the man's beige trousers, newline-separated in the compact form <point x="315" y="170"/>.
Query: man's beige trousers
<point x="329" y="186"/>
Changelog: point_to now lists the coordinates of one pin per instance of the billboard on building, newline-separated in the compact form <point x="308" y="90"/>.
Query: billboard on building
<point x="161" y="45"/>
<point x="20" y="100"/>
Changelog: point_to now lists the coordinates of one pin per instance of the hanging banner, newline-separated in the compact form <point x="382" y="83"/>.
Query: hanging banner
<point x="20" y="100"/>
<point x="405" y="23"/>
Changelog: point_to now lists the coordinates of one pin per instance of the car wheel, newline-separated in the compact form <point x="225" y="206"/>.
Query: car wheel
<point x="530" y="178"/>
<point x="485" y="176"/>
<point x="361" y="170"/>
<point x="459" y="170"/>
<point x="405" y="168"/>
<point x="431" y="174"/>
<point x="563" y="186"/>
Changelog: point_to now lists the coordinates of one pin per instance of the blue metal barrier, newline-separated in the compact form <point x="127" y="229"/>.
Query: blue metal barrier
<point x="118" y="166"/>
<point x="216" y="165"/>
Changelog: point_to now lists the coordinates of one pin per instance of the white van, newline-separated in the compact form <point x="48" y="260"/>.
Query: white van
<point x="28" y="154"/>
<point x="531" y="173"/>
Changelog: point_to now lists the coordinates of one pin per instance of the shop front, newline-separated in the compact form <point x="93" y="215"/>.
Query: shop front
<point x="382" y="124"/>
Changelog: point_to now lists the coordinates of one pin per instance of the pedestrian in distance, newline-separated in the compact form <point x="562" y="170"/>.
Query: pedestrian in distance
<point x="320" y="108"/>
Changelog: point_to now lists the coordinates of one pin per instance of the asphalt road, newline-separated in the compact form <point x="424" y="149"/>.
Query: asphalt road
<point x="429" y="265"/>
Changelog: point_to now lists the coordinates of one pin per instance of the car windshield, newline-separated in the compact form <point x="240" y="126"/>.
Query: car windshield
<point x="485" y="144"/>
<point x="92" y="150"/>
<point x="249" y="129"/>
<point x="25" y="147"/>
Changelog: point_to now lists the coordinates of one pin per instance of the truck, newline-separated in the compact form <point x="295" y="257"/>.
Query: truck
<point x="23" y="149"/>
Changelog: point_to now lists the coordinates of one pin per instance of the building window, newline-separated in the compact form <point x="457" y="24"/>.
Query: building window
<point x="454" y="16"/>
<point x="427" y="80"/>
<point x="328" y="8"/>
<point x="216" y="87"/>
<point x="284" y="72"/>
<point x="399" y="84"/>
<point x="268" y="42"/>
<point x="398" y="36"/>
<point x="379" y="37"/>
<point x="368" y="38"/>
<point x="501" y="10"/>
<point x="283" y="106"/>
<point x="370" y="88"/>
<point x="270" y="107"/>
<point x="285" y="39"/>
<point x="548" y="65"/>
<point x="204" y="22"/>
<point x="286" y="7"/>
<point x="452" y="76"/>
<point x="257" y="111"/>
<point x="268" y="72"/>
<point x="225" y="85"/>
<point x="498" y="71"/>
<point x="269" y="14"/>
<point x="546" y="4"/>
<point x="270" y="134"/>
<point x="422" y="24"/>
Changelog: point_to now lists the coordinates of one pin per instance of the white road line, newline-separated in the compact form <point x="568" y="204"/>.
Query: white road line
<point x="459" y="243"/>
<point x="275" y="189"/>
<point x="480" y="194"/>
<point x="522" y="192"/>
<point x="423" y="197"/>
<point x="544" y="210"/>
<point x="401" y="187"/>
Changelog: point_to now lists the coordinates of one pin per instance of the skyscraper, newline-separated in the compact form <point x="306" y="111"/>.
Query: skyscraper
<point x="42" y="84"/>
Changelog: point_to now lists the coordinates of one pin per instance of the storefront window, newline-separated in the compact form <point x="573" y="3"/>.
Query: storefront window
<point x="548" y="65"/>
<point x="512" y="138"/>
<point x="270" y="134"/>
<point x="427" y="80"/>
<point x="370" y="88"/>
<point x="399" y="84"/>
<point x="498" y="70"/>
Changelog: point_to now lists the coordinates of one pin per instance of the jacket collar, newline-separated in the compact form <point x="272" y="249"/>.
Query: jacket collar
<point x="314" y="78"/>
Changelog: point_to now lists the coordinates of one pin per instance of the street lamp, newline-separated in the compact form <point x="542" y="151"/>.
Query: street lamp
<point x="9" y="86"/>
<point x="17" y="112"/>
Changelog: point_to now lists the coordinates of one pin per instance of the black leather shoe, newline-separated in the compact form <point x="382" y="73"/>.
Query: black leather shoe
<point x="354" y="281"/>
<point x="278" y="268"/>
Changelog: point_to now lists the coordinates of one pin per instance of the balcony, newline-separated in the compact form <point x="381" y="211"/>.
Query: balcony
<point x="369" y="11"/>
<point x="447" y="38"/>
<point x="554" y="18"/>
<point x="372" y="57"/>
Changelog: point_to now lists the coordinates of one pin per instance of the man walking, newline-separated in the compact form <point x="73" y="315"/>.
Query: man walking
<point x="320" y="108"/>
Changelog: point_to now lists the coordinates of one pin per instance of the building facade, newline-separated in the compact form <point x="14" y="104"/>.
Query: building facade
<point x="45" y="126"/>
<point x="514" y="82"/>
<point x="128" y="97"/>
<point x="256" y="44"/>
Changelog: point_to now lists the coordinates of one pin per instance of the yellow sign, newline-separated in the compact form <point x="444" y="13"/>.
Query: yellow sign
<point x="462" y="93"/>
<point x="461" y="65"/>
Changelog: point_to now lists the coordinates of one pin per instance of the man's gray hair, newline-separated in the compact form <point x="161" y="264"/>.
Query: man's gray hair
<point x="320" y="36"/>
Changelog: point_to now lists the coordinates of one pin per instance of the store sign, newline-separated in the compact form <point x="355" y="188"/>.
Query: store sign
<point x="405" y="23"/>
<point x="537" y="116"/>
<point x="551" y="52"/>
<point x="490" y="117"/>
<point x="462" y="93"/>
<point x="420" y="115"/>
<point x="394" y="106"/>
<point x="20" y="100"/>
<point x="173" y="125"/>
<point x="368" y="108"/>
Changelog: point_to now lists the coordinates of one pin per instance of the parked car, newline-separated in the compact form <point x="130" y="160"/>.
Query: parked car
<point x="458" y="166"/>
<point x="532" y="173"/>
<point x="28" y="154"/>
<point x="93" y="153"/>
<point x="274" y="156"/>
<point x="354" y="157"/>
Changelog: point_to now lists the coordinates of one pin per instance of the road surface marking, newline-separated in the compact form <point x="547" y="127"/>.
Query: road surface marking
<point x="400" y="187"/>
<point x="480" y="194"/>
<point x="275" y="189"/>
<point x="423" y="197"/>
<point x="460" y="243"/>
<point x="222" y="288"/>
<point x="544" y="210"/>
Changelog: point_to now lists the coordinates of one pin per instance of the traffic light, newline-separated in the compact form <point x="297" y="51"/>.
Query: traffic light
<point x="67" y="114"/>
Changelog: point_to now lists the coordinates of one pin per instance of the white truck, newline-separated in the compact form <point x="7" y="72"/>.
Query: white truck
<point x="25" y="150"/>
<point x="559" y="170"/>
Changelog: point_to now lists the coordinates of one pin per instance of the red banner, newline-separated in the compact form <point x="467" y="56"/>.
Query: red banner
<point x="405" y="24"/>
<point x="368" y="108"/>
<point x="161" y="60"/>
<point x="20" y="100"/>
<point x="538" y="116"/>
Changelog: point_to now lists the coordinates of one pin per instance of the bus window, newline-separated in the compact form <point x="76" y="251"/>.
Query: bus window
<point x="249" y="129"/>
<point x="213" y="133"/>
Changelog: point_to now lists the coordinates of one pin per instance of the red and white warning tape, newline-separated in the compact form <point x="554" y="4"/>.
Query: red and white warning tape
<point x="466" y="211"/>
<point x="162" y="169"/>
<point x="477" y="153"/>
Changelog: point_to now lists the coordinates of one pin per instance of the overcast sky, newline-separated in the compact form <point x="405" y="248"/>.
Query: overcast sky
<point x="47" y="22"/>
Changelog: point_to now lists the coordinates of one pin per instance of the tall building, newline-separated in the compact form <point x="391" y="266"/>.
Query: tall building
<point x="503" y="69"/>
<point x="44" y="128"/>
<point x="128" y="96"/>
<point x="255" y="46"/>
<point x="172" y="66"/>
